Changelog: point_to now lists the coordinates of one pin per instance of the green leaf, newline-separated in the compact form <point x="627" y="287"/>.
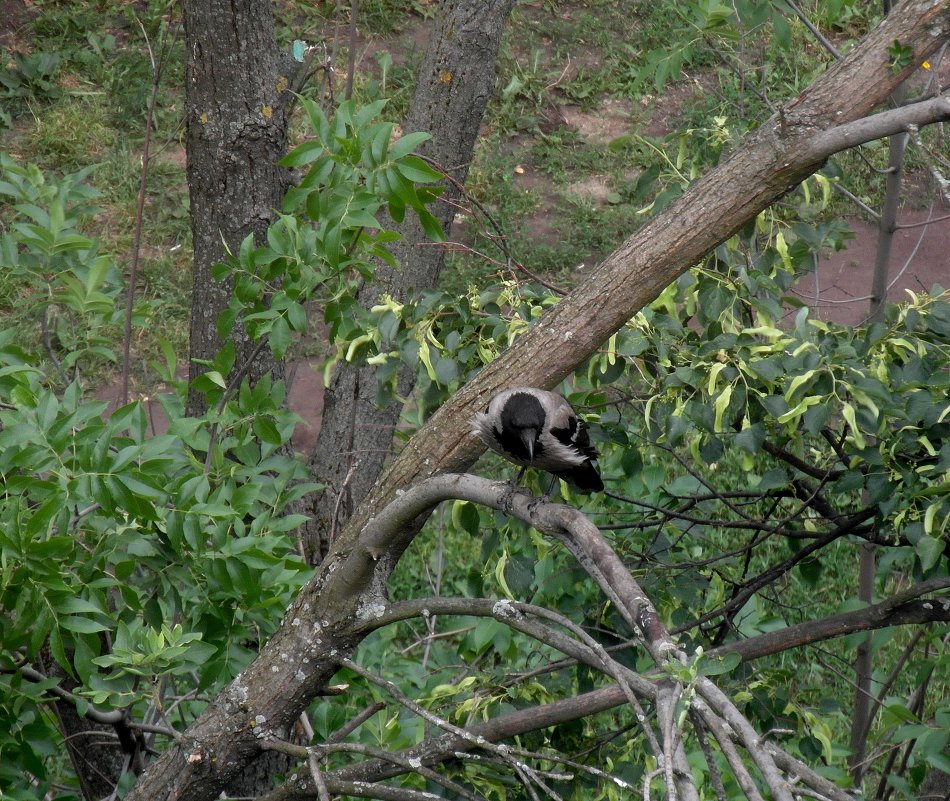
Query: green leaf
<point x="297" y="317"/>
<point x="751" y="439"/>
<point x="406" y="144"/>
<point x="41" y="520"/>
<point x="847" y="411"/>
<point x="928" y="550"/>
<point x="364" y="114"/>
<point x="431" y="226"/>
<point x="58" y="651"/>
<point x="797" y="382"/>
<point x="719" y="665"/>
<point x="721" y="404"/>
<point x="465" y="516"/>
<point x="782" y="32"/>
<point x="279" y="338"/>
<point x="417" y="170"/>
<point x="78" y="606"/>
<point x="82" y="625"/>
<point x="360" y="218"/>
<point x="266" y="431"/>
<point x="216" y="378"/>
<point x="304" y="153"/>
<point x="446" y="370"/>
<point x="519" y="574"/>
<point x="939" y="760"/>
<point x="484" y="633"/>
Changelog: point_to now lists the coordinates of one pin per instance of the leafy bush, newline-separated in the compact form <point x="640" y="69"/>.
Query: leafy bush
<point x="129" y="558"/>
<point x="174" y="549"/>
<point x="30" y="77"/>
<point x="70" y="287"/>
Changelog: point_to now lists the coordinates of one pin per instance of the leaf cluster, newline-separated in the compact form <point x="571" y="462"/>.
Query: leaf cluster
<point x="330" y="237"/>
<point x="128" y="558"/>
<point x="70" y="286"/>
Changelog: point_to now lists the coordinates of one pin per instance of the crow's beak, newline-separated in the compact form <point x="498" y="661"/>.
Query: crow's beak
<point x="527" y="437"/>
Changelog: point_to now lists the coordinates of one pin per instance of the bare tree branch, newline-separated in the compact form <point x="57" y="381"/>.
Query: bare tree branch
<point x="900" y="609"/>
<point x="896" y="611"/>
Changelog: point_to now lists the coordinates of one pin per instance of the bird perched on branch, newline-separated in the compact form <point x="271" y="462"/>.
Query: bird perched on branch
<point x="536" y="428"/>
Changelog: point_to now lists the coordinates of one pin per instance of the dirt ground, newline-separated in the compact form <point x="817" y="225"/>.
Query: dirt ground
<point x="920" y="259"/>
<point x="840" y="287"/>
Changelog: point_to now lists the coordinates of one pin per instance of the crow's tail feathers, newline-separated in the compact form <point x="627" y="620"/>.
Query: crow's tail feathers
<point x="585" y="477"/>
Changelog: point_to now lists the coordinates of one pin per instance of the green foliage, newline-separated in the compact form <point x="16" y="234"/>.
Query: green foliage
<point x="330" y="237"/>
<point x="901" y="55"/>
<point x="177" y="548"/>
<point x="386" y="15"/>
<point x="697" y="24"/>
<point x="683" y="402"/>
<point x="174" y="547"/>
<point x="29" y="78"/>
<point x="72" y="289"/>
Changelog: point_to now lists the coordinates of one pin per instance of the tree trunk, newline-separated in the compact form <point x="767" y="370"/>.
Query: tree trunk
<point x="454" y="85"/>
<point x="97" y="755"/>
<point x="867" y="557"/>
<point x="235" y="102"/>
<point x="236" y="132"/>
<point x="332" y="613"/>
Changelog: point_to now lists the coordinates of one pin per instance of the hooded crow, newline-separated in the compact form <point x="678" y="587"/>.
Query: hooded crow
<point x="536" y="428"/>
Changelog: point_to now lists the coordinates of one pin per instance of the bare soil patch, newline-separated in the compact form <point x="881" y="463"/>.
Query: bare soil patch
<point x="611" y="119"/>
<point x="14" y="15"/>
<point x="920" y="258"/>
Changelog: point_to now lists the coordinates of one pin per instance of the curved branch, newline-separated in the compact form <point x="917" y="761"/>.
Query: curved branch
<point x="511" y="614"/>
<point x="383" y="793"/>
<point x="114" y="717"/>
<point x="900" y="609"/>
<point x="408" y="765"/>
<point x="593" y="552"/>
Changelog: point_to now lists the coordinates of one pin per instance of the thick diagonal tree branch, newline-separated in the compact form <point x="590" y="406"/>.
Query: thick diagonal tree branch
<point x="324" y="621"/>
<point x="768" y="163"/>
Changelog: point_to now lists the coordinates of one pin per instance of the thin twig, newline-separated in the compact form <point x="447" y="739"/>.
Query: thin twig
<point x="315" y="773"/>
<point x="819" y="36"/>
<point x="351" y="67"/>
<point x="352" y="725"/>
<point x="157" y="69"/>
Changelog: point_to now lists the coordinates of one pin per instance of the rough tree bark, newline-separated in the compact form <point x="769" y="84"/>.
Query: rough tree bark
<point x="235" y="102"/>
<point x="236" y="132"/>
<point x="325" y="622"/>
<point x="453" y="87"/>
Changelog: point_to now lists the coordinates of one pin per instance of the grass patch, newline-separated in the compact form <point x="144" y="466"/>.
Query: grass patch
<point x="71" y="134"/>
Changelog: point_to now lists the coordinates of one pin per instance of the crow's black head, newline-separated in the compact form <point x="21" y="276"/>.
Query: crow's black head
<point x="522" y="420"/>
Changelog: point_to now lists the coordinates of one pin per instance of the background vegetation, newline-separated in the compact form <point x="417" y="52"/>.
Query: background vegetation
<point x="749" y="450"/>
